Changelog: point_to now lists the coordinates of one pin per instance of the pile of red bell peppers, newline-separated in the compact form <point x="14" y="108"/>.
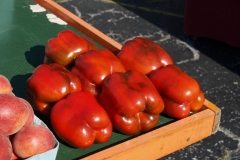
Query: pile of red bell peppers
<point x="87" y="92"/>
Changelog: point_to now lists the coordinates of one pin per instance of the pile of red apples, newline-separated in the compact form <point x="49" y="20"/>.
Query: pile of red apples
<point x="20" y="138"/>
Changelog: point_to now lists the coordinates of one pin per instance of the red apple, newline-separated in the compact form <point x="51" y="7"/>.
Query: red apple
<point x="5" y="85"/>
<point x="14" y="156"/>
<point x="5" y="148"/>
<point x="31" y="140"/>
<point x="31" y="112"/>
<point x="13" y="114"/>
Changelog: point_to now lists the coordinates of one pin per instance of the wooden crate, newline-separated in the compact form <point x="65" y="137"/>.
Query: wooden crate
<point x="161" y="141"/>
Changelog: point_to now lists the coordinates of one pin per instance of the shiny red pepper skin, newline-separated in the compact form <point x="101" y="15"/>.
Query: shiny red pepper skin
<point x="132" y="102"/>
<point x="93" y="66"/>
<point x="176" y="110"/>
<point x="50" y="83"/>
<point x="66" y="47"/>
<point x="175" y="84"/>
<point x="143" y="55"/>
<point x="180" y="92"/>
<point x="197" y="104"/>
<point x="179" y="111"/>
<point x="80" y="121"/>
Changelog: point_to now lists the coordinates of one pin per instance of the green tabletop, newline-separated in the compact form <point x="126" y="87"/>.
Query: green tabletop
<point x="23" y="36"/>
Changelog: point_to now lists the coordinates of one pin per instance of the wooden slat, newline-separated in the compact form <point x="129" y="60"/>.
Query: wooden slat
<point x="81" y="25"/>
<point x="217" y="112"/>
<point x="162" y="141"/>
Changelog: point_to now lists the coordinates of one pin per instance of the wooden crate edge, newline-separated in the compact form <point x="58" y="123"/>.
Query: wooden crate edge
<point x="80" y="25"/>
<point x="217" y="112"/>
<point x="199" y="124"/>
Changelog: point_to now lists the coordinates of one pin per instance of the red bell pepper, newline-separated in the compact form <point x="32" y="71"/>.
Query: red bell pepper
<point x="176" y="110"/>
<point x="143" y="55"/>
<point x="66" y="47"/>
<point x="132" y="102"/>
<point x="197" y="104"/>
<point x="50" y="83"/>
<point x="180" y="92"/>
<point x="83" y="121"/>
<point x="93" y="66"/>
